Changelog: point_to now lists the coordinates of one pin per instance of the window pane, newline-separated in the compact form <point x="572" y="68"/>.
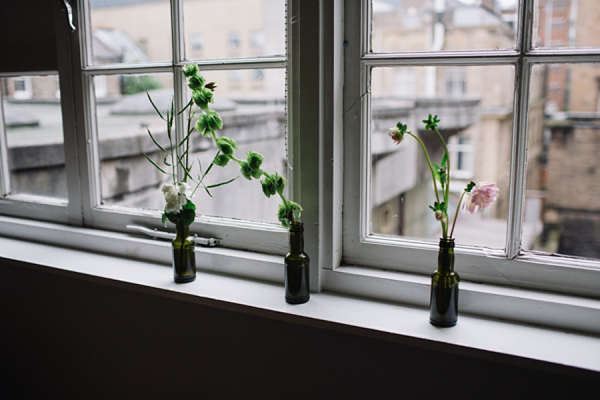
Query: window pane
<point x="252" y="107"/>
<point x="130" y="31"/>
<point x="34" y="135"/>
<point x="566" y="23"/>
<point x="416" y="25"/>
<point x="124" y="114"/>
<point x="234" y="28"/>
<point x="563" y="179"/>
<point x="476" y="122"/>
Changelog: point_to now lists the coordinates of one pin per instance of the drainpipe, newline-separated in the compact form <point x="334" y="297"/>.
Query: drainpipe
<point x="437" y="36"/>
<point x="572" y="34"/>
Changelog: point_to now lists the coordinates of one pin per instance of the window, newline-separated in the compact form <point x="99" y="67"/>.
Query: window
<point x="33" y="135"/>
<point x="110" y="184"/>
<point x="197" y="41"/>
<point x="498" y="129"/>
<point x="368" y="229"/>
<point x="233" y="40"/>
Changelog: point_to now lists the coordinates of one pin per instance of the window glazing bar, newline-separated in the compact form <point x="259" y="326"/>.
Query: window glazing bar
<point x="519" y="140"/>
<point x="4" y="171"/>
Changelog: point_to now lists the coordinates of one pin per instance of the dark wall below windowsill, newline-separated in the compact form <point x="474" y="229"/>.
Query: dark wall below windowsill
<point x="70" y="338"/>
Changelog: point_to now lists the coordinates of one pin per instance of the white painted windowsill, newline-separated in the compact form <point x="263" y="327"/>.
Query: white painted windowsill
<point x="479" y="337"/>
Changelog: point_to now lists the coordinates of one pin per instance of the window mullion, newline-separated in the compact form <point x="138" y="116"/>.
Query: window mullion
<point x="4" y="171"/>
<point x="85" y="145"/>
<point x="519" y="142"/>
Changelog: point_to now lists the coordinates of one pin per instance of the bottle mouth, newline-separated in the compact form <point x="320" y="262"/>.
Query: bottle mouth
<point x="449" y="242"/>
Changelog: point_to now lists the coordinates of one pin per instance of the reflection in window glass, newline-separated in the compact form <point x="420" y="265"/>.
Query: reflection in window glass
<point x="417" y="25"/>
<point x="477" y="126"/>
<point x="566" y="23"/>
<point x="130" y="32"/>
<point x="563" y="174"/>
<point x="34" y="135"/>
<point x="123" y="115"/>
<point x="244" y="28"/>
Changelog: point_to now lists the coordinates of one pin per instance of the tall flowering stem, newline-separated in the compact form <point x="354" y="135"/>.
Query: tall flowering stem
<point x="179" y="208"/>
<point x="480" y="196"/>
<point x="209" y="122"/>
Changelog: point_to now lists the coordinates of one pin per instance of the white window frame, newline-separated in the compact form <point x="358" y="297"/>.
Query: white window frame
<point x="513" y="267"/>
<point x="328" y="154"/>
<point x="239" y="234"/>
<point x="83" y="207"/>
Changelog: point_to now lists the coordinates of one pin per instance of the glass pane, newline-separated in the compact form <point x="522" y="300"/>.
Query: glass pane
<point x="124" y="114"/>
<point x="252" y="106"/>
<point x="563" y="165"/>
<point x="34" y="135"/>
<point x="234" y="28"/>
<point x="130" y="31"/>
<point x="476" y="123"/>
<point x="417" y="25"/>
<point x="566" y="23"/>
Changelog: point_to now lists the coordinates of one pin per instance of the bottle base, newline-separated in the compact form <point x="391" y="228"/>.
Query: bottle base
<point x="442" y="324"/>
<point x="296" y="300"/>
<point x="184" y="280"/>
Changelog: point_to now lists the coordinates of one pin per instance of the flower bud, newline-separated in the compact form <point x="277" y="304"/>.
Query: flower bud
<point x="190" y="70"/>
<point x="196" y="82"/>
<point x="246" y="171"/>
<point x="221" y="160"/>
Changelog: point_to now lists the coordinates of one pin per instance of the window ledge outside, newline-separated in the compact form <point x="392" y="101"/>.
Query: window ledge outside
<point x="478" y="337"/>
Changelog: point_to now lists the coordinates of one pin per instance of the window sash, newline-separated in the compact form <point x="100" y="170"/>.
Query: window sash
<point x="241" y="234"/>
<point x="510" y="267"/>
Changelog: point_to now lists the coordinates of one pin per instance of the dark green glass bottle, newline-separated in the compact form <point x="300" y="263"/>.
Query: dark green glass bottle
<point x="443" y="307"/>
<point x="184" y="259"/>
<point x="297" y="267"/>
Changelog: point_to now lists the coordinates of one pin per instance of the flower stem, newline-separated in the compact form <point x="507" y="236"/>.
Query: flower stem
<point x="437" y="197"/>
<point x="456" y="213"/>
<point x="447" y="188"/>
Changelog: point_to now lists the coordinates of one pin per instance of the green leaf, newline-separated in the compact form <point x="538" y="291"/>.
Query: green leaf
<point x="185" y="139"/>
<point x="186" y="107"/>
<point x="174" y="218"/>
<point x="222" y="183"/>
<point x="164" y="219"/>
<point x="153" y="163"/>
<point x="165" y="160"/>
<point x="155" y="142"/>
<point x="445" y="161"/>
<point x="187" y="216"/>
<point x="155" y="108"/>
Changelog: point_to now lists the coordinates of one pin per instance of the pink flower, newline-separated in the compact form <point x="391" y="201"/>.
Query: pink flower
<point x="396" y="134"/>
<point x="481" y="196"/>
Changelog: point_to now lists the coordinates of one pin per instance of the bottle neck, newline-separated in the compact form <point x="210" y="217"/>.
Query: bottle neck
<point x="446" y="255"/>
<point x="297" y="237"/>
<point x="182" y="231"/>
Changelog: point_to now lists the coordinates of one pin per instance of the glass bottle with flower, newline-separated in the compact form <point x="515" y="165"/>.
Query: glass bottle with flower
<point x="296" y="261"/>
<point x="443" y="308"/>
<point x="179" y="208"/>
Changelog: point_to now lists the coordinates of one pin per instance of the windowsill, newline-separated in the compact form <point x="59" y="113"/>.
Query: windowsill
<point x="477" y="337"/>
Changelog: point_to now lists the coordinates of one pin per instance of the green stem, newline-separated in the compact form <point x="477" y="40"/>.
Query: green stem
<point x="447" y="189"/>
<point x="456" y="213"/>
<point x="437" y="197"/>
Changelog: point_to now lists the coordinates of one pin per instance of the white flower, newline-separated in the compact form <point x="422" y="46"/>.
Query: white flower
<point x="176" y="196"/>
